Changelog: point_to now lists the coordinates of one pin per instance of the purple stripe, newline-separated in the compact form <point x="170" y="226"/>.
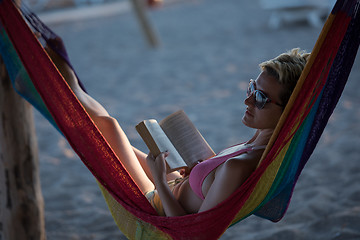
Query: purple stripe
<point x="275" y="209"/>
<point x="346" y="6"/>
<point x="335" y="84"/>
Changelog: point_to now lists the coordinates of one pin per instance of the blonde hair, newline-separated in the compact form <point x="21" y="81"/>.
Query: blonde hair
<point x="286" y="68"/>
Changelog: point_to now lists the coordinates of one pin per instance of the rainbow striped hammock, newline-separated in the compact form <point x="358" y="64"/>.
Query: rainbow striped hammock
<point x="268" y="190"/>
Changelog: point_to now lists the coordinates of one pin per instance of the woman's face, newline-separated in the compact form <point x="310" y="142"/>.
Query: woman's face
<point x="269" y="115"/>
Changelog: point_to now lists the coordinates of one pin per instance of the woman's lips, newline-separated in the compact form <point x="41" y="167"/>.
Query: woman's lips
<point x="249" y="113"/>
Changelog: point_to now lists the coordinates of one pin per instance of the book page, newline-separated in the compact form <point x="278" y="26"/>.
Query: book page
<point x="174" y="160"/>
<point x="186" y="138"/>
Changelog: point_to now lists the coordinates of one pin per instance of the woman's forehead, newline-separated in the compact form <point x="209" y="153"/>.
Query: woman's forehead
<point x="268" y="84"/>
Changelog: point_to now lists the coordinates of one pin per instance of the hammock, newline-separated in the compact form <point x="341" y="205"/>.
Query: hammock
<point x="268" y="190"/>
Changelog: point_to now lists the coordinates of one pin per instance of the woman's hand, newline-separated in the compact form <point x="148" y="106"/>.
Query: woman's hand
<point x="157" y="166"/>
<point x="158" y="170"/>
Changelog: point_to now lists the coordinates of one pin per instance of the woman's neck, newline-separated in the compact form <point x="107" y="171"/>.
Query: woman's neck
<point x="261" y="137"/>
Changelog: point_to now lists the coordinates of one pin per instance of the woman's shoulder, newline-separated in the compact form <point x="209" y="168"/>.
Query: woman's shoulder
<point x="236" y="170"/>
<point x="234" y="148"/>
<point x="248" y="159"/>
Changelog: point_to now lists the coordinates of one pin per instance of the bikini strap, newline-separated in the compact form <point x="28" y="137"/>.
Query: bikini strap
<point x="258" y="147"/>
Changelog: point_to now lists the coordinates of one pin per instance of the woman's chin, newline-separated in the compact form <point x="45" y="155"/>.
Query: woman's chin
<point x="245" y="121"/>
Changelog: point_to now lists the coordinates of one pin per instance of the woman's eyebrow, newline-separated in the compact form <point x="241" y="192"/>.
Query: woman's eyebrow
<point x="267" y="95"/>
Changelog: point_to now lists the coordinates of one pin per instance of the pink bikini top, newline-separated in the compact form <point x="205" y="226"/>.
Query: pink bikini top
<point x="202" y="170"/>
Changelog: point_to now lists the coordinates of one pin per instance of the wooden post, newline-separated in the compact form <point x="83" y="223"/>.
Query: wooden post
<point x="21" y="201"/>
<point x="139" y="8"/>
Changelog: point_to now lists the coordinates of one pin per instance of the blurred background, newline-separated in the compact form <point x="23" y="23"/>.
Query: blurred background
<point x="206" y="52"/>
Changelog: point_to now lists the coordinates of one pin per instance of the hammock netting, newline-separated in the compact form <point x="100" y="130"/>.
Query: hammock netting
<point x="266" y="193"/>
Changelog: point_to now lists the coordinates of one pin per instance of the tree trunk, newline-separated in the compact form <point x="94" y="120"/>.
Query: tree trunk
<point x="21" y="201"/>
<point x="140" y="11"/>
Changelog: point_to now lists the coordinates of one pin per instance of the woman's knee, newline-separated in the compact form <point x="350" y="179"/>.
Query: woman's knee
<point x="106" y="123"/>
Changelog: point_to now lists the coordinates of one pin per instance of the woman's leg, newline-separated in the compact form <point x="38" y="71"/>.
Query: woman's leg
<point x="108" y="126"/>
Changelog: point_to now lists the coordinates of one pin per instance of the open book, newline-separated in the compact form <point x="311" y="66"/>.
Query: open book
<point x="178" y="135"/>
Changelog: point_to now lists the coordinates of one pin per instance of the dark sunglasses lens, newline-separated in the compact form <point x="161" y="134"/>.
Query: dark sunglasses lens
<point x="250" y="89"/>
<point x="260" y="100"/>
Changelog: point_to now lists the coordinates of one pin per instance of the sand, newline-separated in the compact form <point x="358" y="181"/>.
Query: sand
<point x="209" y="50"/>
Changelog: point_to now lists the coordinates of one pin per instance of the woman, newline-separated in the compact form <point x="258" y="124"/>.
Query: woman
<point x="213" y="180"/>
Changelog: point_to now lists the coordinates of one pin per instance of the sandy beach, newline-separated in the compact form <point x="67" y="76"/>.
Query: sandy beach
<point x="208" y="52"/>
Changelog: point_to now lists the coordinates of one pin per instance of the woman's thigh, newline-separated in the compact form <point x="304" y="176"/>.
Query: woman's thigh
<point x="120" y="144"/>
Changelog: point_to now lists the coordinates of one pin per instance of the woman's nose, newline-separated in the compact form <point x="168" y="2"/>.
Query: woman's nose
<point x="249" y="99"/>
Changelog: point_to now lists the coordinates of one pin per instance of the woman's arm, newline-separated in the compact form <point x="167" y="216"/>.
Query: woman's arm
<point x="228" y="179"/>
<point x="158" y="169"/>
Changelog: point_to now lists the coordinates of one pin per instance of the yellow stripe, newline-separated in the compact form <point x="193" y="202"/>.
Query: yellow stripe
<point x="130" y="225"/>
<point x="263" y="186"/>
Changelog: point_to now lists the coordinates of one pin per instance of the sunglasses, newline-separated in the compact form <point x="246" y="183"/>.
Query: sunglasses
<point x="260" y="98"/>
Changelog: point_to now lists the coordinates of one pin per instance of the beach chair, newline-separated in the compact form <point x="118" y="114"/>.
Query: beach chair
<point x="266" y="193"/>
<point x="282" y="11"/>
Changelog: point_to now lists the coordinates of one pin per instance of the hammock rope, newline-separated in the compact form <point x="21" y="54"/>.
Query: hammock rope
<point x="268" y="190"/>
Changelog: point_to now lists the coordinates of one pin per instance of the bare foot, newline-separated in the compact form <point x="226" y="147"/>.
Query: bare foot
<point x="64" y="69"/>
